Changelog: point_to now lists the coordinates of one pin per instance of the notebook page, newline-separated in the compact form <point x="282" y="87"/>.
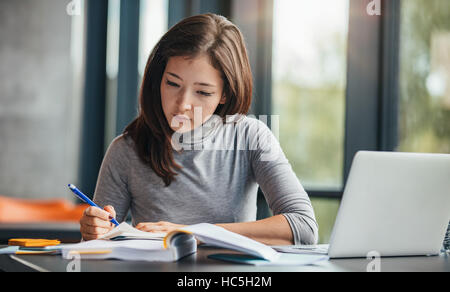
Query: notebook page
<point x="127" y="231"/>
<point x="131" y="250"/>
<point x="221" y="237"/>
<point x="108" y="244"/>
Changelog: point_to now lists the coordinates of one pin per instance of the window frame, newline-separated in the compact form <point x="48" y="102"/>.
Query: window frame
<point x="180" y="9"/>
<point x="94" y="96"/>
<point x="128" y="75"/>
<point x="372" y="89"/>
<point x="372" y="84"/>
<point x="372" y="73"/>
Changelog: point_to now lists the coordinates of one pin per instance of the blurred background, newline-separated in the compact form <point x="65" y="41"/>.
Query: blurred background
<point x="343" y="76"/>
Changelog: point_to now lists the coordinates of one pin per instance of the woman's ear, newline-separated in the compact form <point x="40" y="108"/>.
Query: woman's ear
<point x="223" y="100"/>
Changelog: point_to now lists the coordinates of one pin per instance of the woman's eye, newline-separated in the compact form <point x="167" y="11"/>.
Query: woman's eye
<point x="172" y="84"/>
<point x="204" y="93"/>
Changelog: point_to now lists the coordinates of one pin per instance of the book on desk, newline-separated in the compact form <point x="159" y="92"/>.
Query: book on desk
<point x="127" y="243"/>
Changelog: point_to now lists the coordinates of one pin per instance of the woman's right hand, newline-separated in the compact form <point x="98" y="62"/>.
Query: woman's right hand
<point x="96" y="222"/>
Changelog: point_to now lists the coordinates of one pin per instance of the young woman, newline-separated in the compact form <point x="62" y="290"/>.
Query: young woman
<point x="197" y="72"/>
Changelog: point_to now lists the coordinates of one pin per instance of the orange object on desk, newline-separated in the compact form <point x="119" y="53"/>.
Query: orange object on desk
<point x="25" y="242"/>
<point x="14" y="210"/>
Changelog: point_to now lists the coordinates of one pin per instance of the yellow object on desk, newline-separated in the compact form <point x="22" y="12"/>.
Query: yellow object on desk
<point x="36" y="252"/>
<point x="25" y="242"/>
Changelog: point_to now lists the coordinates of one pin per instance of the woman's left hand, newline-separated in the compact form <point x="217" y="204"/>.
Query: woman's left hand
<point x="159" y="227"/>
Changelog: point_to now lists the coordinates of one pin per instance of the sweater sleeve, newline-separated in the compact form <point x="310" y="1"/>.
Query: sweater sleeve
<point x="281" y="187"/>
<point x="112" y="188"/>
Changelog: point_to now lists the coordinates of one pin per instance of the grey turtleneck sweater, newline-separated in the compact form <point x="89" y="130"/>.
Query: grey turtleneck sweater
<point x="222" y="167"/>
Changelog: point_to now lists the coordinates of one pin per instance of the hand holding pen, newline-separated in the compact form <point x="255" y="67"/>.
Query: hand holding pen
<point x="95" y="221"/>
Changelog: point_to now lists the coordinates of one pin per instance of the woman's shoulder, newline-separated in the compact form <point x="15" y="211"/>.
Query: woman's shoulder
<point x="249" y="122"/>
<point x="250" y="127"/>
<point x="121" y="147"/>
<point x="122" y="142"/>
<point x="248" y="132"/>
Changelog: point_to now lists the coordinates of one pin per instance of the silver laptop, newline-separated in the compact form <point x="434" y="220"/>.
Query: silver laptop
<point x="394" y="204"/>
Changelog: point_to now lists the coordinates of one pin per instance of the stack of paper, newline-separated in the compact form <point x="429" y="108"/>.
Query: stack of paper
<point x="303" y="249"/>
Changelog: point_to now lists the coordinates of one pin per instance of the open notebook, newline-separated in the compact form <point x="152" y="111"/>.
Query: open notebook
<point x="127" y="243"/>
<point x="132" y="250"/>
<point x="251" y="252"/>
<point x="126" y="232"/>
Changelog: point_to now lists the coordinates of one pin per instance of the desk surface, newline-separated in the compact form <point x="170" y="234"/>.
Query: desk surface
<point x="66" y="232"/>
<point x="200" y="263"/>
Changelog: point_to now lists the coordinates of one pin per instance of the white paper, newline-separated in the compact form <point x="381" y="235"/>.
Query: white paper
<point x="128" y="250"/>
<point x="102" y="244"/>
<point x="218" y="236"/>
<point x="128" y="231"/>
<point x="321" y="249"/>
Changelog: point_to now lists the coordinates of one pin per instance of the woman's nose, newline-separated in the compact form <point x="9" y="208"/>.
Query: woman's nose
<point x="183" y="102"/>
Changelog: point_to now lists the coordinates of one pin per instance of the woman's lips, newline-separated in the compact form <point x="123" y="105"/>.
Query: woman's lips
<point x="181" y="118"/>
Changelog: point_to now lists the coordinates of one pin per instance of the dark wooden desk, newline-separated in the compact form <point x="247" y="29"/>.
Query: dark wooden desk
<point x="200" y="263"/>
<point x="66" y="232"/>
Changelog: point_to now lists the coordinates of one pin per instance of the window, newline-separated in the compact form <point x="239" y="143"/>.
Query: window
<point x="41" y="54"/>
<point x="309" y="85"/>
<point x="309" y="71"/>
<point x="112" y="70"/>
<point x="153" y="25"/>
<point x="131" y="39"/>
<point x="424" y="106"/>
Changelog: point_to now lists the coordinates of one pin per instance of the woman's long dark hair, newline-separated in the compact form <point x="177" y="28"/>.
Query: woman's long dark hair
<point x="207" y="34"/>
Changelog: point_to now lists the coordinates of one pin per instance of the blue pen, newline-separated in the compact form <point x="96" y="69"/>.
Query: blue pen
<point x="85" y="199"/>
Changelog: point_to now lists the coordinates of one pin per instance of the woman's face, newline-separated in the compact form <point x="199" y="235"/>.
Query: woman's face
<point x="191" y="90"/>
